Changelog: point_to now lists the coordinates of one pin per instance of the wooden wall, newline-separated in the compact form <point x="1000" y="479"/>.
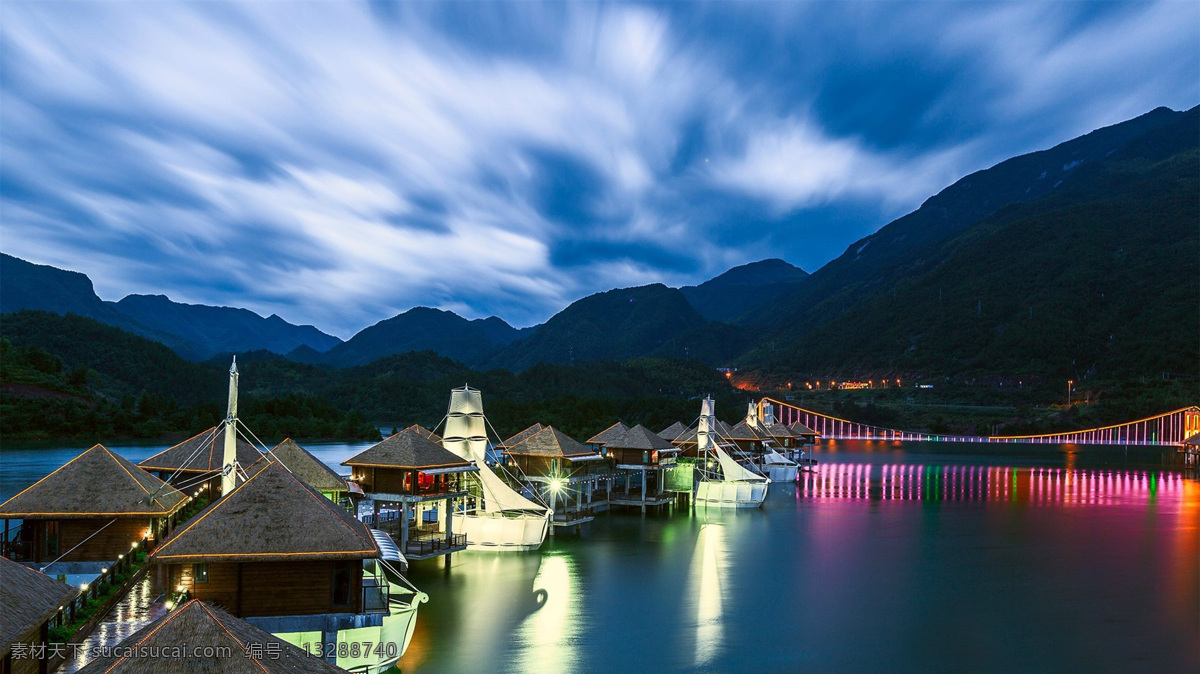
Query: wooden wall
<point x="271" y="588"/>
<point x="104" y="546"/>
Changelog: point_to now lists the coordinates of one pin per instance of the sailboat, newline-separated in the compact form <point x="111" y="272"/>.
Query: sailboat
<point x="723" y="483"/>
<point x="499" y="518"/>
<point x="772" y="463"/>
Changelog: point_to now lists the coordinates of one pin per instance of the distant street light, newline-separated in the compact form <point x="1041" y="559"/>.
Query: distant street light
<point x="1070" y="383"/>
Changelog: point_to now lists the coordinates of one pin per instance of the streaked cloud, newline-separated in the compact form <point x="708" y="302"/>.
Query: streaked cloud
<point x="337" y="163"/>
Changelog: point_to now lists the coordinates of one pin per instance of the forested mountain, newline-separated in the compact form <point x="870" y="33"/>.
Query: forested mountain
<point x="1096" y="276"/>
<point x="614" y="325"/>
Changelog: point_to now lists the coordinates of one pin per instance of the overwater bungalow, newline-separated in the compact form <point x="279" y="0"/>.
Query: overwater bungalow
<point x="277" y="553"/>
<point x="565" y="474"/>
<point x="216" y="642"/>
<point x="599" y="441"/>
<point x="641" y="457"/>
<point x="195" y="464"/>
<point x="88" y="512"/>
<point x="28" y="601"/>
<point x="418" y="483"/>
<point x="317" y="475"/>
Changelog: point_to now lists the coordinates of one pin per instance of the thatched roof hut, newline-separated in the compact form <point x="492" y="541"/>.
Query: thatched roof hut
<point x="272" y="516"/>
<point x="519" y="437"/>
<point x="97" y="483"/>
<point x="236" y="646"/>
<point x="407" y="449"/>
<point x="201" y="453"/>
<point x="609" y="434"/>
<point x="308" y="467"/>
<point x="673" y="431"/>
<point x="641" y="438"/>
<point x="554" y="444"/>
<point x="28" y="599"/>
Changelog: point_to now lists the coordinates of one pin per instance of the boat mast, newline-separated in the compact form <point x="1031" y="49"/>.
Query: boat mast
<point x="229" y="462"/>
<point x="704" y="430"/>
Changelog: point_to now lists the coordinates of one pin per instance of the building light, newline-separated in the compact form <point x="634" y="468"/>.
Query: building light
<point x="556" y="485"/>
<point x="83" y="587"/>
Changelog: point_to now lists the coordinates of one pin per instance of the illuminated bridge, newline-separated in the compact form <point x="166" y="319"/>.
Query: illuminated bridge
<point x="1167" y="429"/>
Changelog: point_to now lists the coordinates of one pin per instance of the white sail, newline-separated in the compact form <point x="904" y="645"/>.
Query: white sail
<point x="466" y="436"/>
<point x="732" y="470"/>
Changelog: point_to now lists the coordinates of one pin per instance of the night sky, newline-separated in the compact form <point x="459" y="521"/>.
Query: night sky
<point x="338" y="163"/>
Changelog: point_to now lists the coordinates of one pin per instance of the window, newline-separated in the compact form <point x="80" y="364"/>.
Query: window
<point x="645" y="457"/>
<point x="50" y="542"/>
<point x="200" y="573"/>
<point x="341" y="583"/>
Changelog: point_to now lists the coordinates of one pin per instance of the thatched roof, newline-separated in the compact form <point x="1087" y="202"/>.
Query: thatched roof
<point x="425" y="433"/>
<point x="798" y="428"/>
<point x="407" y="449"/>
<point x="609" y="434"/>
<point x="640" y="437"/>
<point x="273" y="515"/>
<point x="778" y="430"/>
<point x="744" y="431"/>
<point x="201" y="453"/>
<point x="198" y="624"/>
<point x="97" y="483"/>
<point x="673" y="431"/>
<point x="28" y="598"/>
<point x="307" y="467"/>
<point x="551" y="442"/>
<point x="516" y="439"/>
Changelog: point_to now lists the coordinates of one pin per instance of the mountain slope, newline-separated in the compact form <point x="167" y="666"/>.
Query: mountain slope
<point x="911" y="240"/>
<point x="615" y="325"/>
<point x="424" y="329"/>
<point x="24" y="285"/>
<point x="1096" y="277"/>
<point x="743" y="289"/>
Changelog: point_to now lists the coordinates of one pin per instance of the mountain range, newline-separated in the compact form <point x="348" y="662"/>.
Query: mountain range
<point x="1058" y="261"/>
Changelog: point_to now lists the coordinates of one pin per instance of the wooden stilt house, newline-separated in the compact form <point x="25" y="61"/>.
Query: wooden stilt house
<point x="565" y="474"/>
<point x="640" y="458"/>
<point x="28" y="601"/>
<point x="274" y="546"/>
<point x="92" y="509"/>
<point x="414" y="484"/>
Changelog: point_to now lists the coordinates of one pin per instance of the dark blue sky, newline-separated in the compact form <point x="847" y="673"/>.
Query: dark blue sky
<point x="338" y="163"/>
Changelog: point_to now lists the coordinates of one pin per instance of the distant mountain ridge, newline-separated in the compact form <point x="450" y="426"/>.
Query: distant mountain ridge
<point x="424" y="329"/>
<point x="194" y="331"/>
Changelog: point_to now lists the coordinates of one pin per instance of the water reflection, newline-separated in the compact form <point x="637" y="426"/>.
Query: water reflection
<point x="1037" y="485"/>
<point x="704" y="584"/>
<point x="547" y="636"/>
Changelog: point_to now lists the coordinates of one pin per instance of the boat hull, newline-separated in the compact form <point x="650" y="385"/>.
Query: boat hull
<point x="782" y="472"/>
<point x="713" y="494"/>
<point x="502" y="534"/>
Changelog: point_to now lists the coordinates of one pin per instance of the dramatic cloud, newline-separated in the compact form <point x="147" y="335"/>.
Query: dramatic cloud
<point x="337" y="163"/>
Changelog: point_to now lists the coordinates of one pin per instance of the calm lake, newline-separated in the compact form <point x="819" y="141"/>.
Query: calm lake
<point x="890" y="557"/>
